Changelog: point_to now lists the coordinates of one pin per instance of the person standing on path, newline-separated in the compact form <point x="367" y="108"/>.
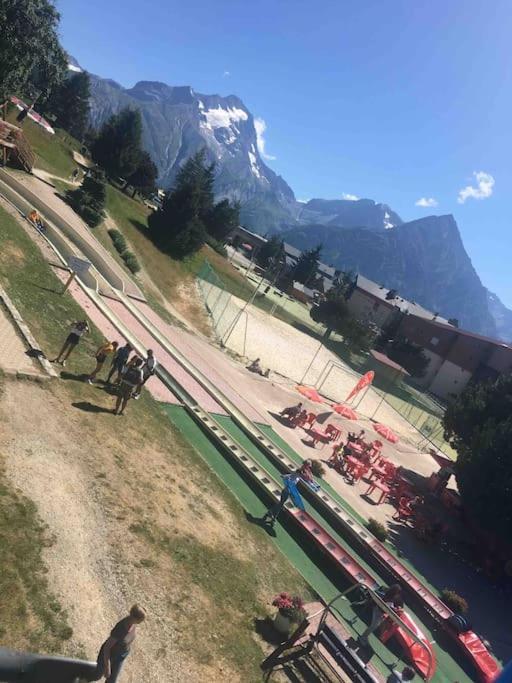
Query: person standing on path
<point x="78" y="329"/>
<point x="116" y="648"/>
<point x="105" y="350"/>
<point x="119" y="361"/>
<point x="148" y="370"/>
<point x="130" y="382"/>
<point x="290" y="483"/>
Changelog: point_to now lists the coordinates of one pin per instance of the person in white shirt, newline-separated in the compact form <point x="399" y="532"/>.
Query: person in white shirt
<point x="148" y="370"/>
<point x="78" y="329"/>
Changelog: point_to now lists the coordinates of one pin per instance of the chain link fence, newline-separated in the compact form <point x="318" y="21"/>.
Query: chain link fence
<point x="305" y="359"/>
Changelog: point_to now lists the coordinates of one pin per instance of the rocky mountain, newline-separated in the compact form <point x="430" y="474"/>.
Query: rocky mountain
<point x="348" y="213"/>
<point x="425" y="260"/>
<point x="177" y="121"/>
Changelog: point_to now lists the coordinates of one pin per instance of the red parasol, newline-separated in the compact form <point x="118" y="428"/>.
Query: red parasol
<point x="386" y="433"/>
<point x="311" y="393"/>
<point x="345" y="411"/>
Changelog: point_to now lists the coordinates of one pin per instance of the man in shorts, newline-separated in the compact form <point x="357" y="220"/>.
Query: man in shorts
<point x="148" y="370"/>
<point x="131" y="380"/>
<point x="119" y="361"/>
<point x="78" y="329"/>
<point x="102" y="354"/>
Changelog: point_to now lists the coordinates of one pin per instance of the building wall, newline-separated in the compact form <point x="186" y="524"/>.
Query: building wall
<point x="449" y="379"/>
<point x="428" y="336"/>
<point x="500" y="359"/>
<point x="433" y="366"/>
<point x="369" y="309"/>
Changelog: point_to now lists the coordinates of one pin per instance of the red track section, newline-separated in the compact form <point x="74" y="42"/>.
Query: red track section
<point x="415" y="653"/>
<point x="478" y="653"/>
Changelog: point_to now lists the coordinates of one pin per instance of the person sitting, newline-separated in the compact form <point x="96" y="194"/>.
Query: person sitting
<point x="291" y="412"/>
<point x="360" y="438"/>
<point x="392" y="597"/>
<point x="256" y="367"/>
<point x="337" y="460"/>
<point x="36" y="219"/>
<point x="300" y="419"/>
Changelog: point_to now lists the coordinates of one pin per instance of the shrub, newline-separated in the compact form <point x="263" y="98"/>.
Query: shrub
<point x="131" y="261"/>
<point x="317" y="468"/>
<point x="454" y="601"/>
<point x="88" y="200"/>
<point x="377" y="529"/>
<point x="118" y="240"/>
<point x="216" y="246"/>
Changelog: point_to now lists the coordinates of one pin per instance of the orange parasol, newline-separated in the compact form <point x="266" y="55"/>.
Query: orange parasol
<point x="386" y="433"/>
<point x="345" y="411"/>
<point x="311" y="393"/>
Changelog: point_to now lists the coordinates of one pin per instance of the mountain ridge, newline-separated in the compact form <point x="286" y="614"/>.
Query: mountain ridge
<point x="177" y="121"/>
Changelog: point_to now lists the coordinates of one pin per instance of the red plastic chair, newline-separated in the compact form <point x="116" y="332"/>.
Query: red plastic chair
<point x="333" y="432"/>
<point x="404" y="512"/>
<point x="310" y="419"/>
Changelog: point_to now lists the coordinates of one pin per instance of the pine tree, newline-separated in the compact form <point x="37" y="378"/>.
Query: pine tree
<point x="179" y="227"/>
<point x="269" y="251"/>
<point x="143" y="179"/>
<point x="89" y="200"/>
<point x="223" y="219"/>
<point x="307" y="265"/>
<point x="70" y="104"/>
<point x="117" y="149"/>
<point x="31" y="58"/>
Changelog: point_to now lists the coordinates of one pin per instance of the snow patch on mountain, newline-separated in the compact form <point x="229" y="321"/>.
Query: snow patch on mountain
<point x="223" y="118"/>
<point x="387" y="221"/>
<point x="254" y="162"/>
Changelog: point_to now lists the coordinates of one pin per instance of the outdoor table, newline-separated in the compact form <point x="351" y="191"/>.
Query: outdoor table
<point x="316" y="435"/>
<point x="384" y="488"/>
<point x="378" y="471"/>
<point x="355" y="467"/>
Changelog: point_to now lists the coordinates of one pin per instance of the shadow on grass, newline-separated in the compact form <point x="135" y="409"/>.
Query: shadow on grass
<point x="35" y="353"/>
<point x="266" y="630"/>
<point x="73" y="376"/>
<point x="91" y="408"/>
<point x="259" y="521"/>
<point x="44" y="289"/>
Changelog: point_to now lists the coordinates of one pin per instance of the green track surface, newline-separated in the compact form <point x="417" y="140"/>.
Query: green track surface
<point x="318" y="572"/>
<point x="279" y="441"/>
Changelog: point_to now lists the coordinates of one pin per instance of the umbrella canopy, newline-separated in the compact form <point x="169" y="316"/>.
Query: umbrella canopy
<point x="311" y="393"/>
<point x="386" y="433"/>
<point x="345" y="411"/>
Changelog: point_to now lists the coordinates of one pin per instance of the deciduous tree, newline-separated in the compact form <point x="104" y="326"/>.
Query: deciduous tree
<point x="70" y="104"/>
<point x="478" y="424"/>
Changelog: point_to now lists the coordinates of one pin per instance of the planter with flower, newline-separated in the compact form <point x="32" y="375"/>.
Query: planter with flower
<point x="290" y="611"/>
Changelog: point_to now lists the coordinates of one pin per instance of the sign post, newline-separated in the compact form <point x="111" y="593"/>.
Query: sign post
<point x="77" y="266"/>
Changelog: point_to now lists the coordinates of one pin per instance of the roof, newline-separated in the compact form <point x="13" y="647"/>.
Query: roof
<point x="380" y="292"/>
<point x="302" y="288"/>
<point x="382" y="358"/>
<point x="439" y="324"/>
<point x="291" y="251"/>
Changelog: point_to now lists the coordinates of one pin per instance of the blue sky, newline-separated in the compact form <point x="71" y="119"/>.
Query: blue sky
<point x="395" y="100"/>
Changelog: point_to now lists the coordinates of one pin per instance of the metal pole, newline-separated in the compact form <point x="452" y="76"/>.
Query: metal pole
<point x="238" y="315"/>
<point x="384" y="395"/>
<point x="312" y="361"/>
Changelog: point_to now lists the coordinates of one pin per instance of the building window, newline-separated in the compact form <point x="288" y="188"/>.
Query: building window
<point x="434" y="341"/>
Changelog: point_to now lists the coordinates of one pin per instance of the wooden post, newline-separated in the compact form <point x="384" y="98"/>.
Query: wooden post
<point x="68" y="283"/>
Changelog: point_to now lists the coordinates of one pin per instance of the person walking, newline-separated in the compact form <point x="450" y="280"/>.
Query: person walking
<point x="78" y="329"/>
<point x="148" y="370"/>
<point x="131" y="379"/>
<point x="116" y="648"/>
<point x="105" y="350"/>
<point x="393" y="598"/>
<point x="290" y="483"/>
<point x="119" y="361"/>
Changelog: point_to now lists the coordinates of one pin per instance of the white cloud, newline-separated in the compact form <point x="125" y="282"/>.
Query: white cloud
<point x="261" y="126"/>
<point x="426" y="202"/>
<point x="226" y="74"/>
<point x="349" y="197"/>
<point x="483" y="190"/>
<point x="303" y="201"/>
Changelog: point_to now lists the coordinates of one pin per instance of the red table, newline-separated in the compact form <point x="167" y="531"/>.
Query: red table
<point x="384" y="488"/>
<point x="355" y="467"/>
<point x="377" y="472"/>
<point x="316" y="435"/>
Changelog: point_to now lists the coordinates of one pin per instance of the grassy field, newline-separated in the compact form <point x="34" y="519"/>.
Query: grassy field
<point x="54" y="153"/>
<point x="232" y="586"/>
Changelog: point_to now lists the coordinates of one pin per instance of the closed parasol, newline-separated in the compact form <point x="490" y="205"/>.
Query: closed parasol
<point x="311" y="393"/>
<point x="345" y="411"/>
<point x="386" y="433"/>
